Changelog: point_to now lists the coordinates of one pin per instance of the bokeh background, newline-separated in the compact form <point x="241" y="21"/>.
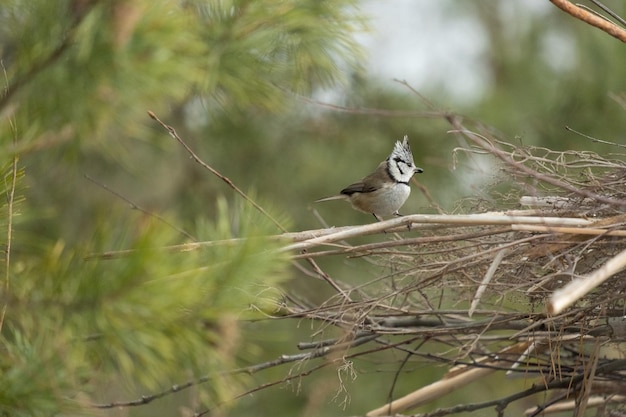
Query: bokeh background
<point x="291" y="100"/>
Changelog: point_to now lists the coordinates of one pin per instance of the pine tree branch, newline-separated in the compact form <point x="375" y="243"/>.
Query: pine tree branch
<point x="232" y="185"/>
<point x="12" y="181"/>
<point x="16" y="84"/>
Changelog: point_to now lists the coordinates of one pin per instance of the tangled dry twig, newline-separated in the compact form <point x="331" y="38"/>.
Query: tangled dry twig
<point x="528" y="284"/>
<point x="492" y="292"/>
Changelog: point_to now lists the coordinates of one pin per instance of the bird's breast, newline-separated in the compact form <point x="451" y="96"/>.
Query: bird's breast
<point x="384" y="201"/>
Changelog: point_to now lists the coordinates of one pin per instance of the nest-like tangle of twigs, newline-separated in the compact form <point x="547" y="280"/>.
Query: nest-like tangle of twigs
<point x="499" y="291"/>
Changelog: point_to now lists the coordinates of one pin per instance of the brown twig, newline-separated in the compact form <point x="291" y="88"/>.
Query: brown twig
<point x="138" y="208"/>
<point x="232" y="185"/>
<point x="522" y="169"/>
<point x="421" y="295"/>
<point x="585" y="185"/>
<point x="594" y="139"/>
<point x="610" y="12"/>
<point x="591" y="19"/>
<point x="252" y="369"/>
<point x="206" y="166"/>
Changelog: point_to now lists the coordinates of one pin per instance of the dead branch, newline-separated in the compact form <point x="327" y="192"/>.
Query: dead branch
<point x="206" y="166"/>
<point x="525" y="285"/>
<point x="590" y="18"/>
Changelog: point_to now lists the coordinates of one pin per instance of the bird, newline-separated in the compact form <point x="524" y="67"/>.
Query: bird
<point x="385" y="190"/>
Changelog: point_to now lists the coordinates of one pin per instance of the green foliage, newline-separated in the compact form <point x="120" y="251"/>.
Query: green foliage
<point x="34" y="371"/>
<point x="78" y="79"/>
<point x="256" y="46"/>
<point x="152" y="315"/>
<point x="110" y="57"/>
<point x="76" y="69"/>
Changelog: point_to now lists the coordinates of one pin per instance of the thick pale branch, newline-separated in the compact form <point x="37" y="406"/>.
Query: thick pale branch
<point x="312" y="238"/>
<point x="446" y="385"/>
<point x="578" y="288"/>
<point x="576" y="223"/>
<point x="416" y="220"/>
<point x="568" y="230"/>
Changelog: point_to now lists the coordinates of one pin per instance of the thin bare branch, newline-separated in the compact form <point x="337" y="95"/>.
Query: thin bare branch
<point x="594" y="139"/>
<point x="520" y="167"/>
<point x="609" y="12"/>
<point x="284" y="359"/>
<point x="591" y="19"/>
<point x="134" y="206"/>
<point x="227" y="180"/>
<point x="415" y="286"/>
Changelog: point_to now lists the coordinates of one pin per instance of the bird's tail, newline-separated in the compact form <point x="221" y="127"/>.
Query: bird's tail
<point x="335" y="197"/>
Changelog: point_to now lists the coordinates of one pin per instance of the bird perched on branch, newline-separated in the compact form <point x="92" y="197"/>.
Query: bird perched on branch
<point x="385" y="190"/>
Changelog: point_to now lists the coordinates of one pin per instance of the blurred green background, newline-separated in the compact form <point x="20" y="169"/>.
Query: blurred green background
<point x="239" y="81"/>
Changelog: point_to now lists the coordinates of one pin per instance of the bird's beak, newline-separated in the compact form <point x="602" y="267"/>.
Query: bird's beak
<point x="418" y="170"/>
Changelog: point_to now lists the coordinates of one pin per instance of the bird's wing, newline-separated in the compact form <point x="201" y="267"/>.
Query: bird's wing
<point x="357" y="187"/>
<point x="372" y="182"/>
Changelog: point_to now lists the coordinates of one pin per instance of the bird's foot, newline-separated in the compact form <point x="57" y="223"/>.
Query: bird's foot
<point x="397" y="214"/>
